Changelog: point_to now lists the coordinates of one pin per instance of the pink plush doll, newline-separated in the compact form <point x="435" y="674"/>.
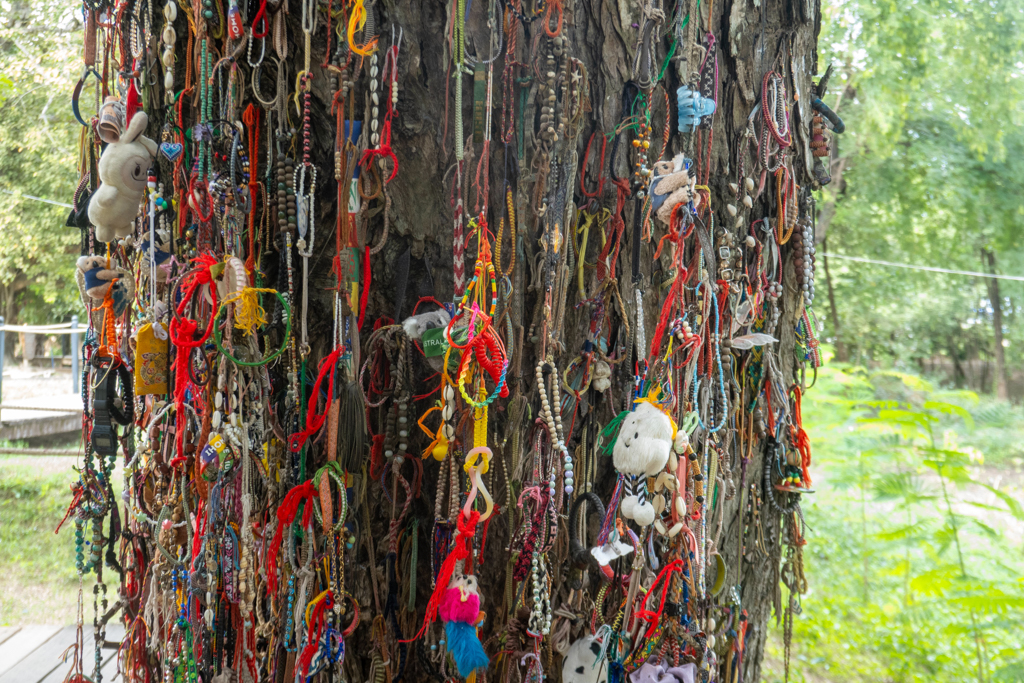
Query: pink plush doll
<point x="460" y="611"/>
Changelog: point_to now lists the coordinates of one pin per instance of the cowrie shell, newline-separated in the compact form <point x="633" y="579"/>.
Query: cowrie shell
<point x="659" y="504"/>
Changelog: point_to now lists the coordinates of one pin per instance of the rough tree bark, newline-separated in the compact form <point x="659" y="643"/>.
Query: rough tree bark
<point x="751" y="37"/>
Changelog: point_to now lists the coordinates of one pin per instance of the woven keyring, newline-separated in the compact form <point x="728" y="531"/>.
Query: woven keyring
<point x="217" y="334"/>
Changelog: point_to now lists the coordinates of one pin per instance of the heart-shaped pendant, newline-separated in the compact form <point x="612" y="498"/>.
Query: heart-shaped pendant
<point x="171" y="150"/>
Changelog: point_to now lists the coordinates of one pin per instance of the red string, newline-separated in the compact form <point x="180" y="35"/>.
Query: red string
<point x="674" y="298"/>
<point x="313" y="642"/>
<point x="251" y="117"/>
<point x="364" y="294"/>
<point x="261" y="15"/>
<point x="654" y="617"/>
<point x="182" y="332"/>
<point x="285" y="516"/>
<point x="801" y="441"/>
<point x="483" y="536"/>
<point x="314" y="421"/>
<point x="604" y="265"/>
<point x="466" y="532"/>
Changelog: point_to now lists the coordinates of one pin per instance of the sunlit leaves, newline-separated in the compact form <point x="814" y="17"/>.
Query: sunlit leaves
<point x="890" y="598"/>
<point x="932" y="93"/>
<point x="40" y="58"/>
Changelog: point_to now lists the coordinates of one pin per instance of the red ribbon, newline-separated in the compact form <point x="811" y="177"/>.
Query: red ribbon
<point x="313" y="421"/>
<point x="654" y="617"/>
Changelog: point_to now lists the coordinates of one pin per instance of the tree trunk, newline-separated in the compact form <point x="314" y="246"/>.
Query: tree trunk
<point x="412" y="218"/>
<point x="997" y="325"/>
<point x="842" y="355"/>
<point x="752" y="37"/>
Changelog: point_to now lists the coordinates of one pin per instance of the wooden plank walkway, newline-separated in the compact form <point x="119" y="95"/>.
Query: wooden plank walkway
<point x="40" y="416"/>
<point x="34" y="654"/>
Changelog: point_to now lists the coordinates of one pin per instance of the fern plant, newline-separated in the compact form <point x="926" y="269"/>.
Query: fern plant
<point x="915" y="566"/>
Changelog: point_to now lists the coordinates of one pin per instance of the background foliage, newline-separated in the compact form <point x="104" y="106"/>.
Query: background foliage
<point x="915" y="553"/>
<point x="929" y="172"/>
<point x="40" y="60"/>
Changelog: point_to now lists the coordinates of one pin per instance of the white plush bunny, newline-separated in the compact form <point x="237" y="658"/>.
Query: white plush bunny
<point x="123" y="170"/>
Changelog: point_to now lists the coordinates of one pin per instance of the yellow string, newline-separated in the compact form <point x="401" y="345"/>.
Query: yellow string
<point x="312" y="604"/>
<point x="356" y="22"/>
<point x="249" y="315"/>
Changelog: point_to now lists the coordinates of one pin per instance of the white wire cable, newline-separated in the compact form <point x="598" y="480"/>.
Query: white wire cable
<point x="38" y="199"/>
<point x="931" y="269"/>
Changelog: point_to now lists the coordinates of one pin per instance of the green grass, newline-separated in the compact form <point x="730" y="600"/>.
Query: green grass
<point x="38" y="581"/>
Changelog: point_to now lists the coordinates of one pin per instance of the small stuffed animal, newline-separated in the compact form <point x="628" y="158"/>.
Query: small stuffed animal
<point x="642" y="450"/>
<point x="460" y="611"/>
<point x="97" y="276"/>
<point x="416" y="325"/>
<point x="161" y="257"/>
<point x="123" y="169"/>
<point x="657" y="670"/>
<point x="583" y="662"/>
<point x="672" y="185"/>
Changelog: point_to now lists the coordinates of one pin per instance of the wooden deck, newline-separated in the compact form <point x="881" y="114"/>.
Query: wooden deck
<point x="35" y="654"/>
<point x="40" y="416"/>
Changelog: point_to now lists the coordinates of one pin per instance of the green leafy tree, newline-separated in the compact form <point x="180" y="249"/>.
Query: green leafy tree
<point x="928" y="173"/>
<point x="39" y="62"/>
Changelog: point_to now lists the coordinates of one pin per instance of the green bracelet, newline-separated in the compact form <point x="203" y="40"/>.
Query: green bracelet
<point x="287" y="333"/>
